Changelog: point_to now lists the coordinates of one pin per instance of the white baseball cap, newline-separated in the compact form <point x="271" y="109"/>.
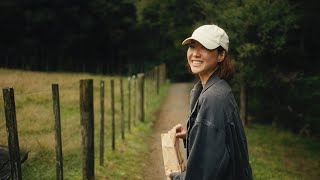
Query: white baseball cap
<point x="210" y="36"/>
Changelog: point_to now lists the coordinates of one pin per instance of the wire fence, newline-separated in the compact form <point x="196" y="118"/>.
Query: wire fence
<point x="35" y="119"/>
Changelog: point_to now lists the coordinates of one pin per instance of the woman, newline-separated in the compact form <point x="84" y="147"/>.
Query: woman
<point x="215" y="139"/>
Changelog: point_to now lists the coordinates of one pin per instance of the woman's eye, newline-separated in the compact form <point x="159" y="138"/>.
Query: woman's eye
<point x="191" y="46"/>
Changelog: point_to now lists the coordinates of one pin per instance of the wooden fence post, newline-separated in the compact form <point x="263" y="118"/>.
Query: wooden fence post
<point x="129" y="103"/>
<point x="146" y="91"/>
<point x="162" y="73"/>
<point x="12" y="130"/>
<point x="122" y="109"/>
<point x="57" y="127"/>
<point x="140" y="97"/>
<point x="87" y="128"/>
<point x="113" y="128"/>
<point x="101" y="123"/>
<point x="157" y="69"/>
<point x="134" y="98"/>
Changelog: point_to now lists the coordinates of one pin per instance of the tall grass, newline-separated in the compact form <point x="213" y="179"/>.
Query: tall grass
<point x="279" y="154"/>
<point x="35" y="125"/>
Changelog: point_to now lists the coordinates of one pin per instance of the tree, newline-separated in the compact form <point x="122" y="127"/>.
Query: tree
<point x="165" y="24"/>
<point x="67" y="35"/>
<point x="258" y="31"/>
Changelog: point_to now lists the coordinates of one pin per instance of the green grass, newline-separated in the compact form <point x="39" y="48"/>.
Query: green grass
<point x="278" y="154"/>
<point x="35" y="125"/>
<point x="274" y="154"/>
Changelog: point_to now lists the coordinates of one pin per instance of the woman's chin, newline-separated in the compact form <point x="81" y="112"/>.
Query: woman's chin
<point x="195" y="70"/>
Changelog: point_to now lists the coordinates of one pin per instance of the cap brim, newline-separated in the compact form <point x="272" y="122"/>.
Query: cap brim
<point x="187" y="41"/>
<point x="206" y="43"/>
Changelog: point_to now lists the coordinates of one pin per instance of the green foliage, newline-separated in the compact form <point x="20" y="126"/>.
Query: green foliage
<point x="303" y="96"/>
<point x="257" y="26"/>
<point x="269" y="40"/>
<point x="278" y="154"/>
<point x="64" y="35"/>
<point x="259" y="34"/>
<point x="256" y="29"/>
<point x="264" y="38"/>
<point x="165" y="24"/>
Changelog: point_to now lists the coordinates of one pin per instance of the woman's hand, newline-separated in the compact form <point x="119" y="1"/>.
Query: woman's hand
<point x="180" y="131"/>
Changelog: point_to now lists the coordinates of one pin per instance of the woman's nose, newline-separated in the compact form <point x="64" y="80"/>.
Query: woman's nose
<point x="196" y="52"/>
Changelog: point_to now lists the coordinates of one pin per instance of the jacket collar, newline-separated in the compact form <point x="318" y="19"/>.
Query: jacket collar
<point x="198" y="89"/>
<point x="212" y="79"/>
<point x="194" y="95"/>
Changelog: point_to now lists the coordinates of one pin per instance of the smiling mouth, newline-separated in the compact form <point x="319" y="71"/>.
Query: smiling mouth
<point x="196" y="62"/>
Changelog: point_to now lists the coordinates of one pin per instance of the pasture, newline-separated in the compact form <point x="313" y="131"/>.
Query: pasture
<point x="35" y="121"/>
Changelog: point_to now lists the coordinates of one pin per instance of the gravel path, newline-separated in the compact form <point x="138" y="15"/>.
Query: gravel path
<point x="174" y="110"/>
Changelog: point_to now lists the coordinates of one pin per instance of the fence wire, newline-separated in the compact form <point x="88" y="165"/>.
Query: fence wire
<point x="36" y="121"/>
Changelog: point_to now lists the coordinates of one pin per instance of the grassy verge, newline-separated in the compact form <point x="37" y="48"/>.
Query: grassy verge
<point x="35" y="125"/>
<point x="278" y="154"/>
<point x="274" y="154"/>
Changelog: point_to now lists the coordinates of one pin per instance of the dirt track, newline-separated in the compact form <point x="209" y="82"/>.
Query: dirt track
<point x="174" y="110"/>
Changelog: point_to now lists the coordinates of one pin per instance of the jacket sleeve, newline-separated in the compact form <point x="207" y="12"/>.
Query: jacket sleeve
<point x="209" y="155"/>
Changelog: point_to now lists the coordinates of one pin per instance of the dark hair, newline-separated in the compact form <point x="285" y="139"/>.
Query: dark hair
<point x="226" y="67"/>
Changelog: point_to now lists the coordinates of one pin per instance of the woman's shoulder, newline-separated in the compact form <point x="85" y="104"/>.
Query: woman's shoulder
<point x="218" y="95"/>
<point x="220" y="89"/>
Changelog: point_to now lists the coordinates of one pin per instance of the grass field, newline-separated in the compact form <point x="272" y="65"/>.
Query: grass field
<point x="278" y="154"/>
<point x="274" y="154"/>
<point x="33" y="99"/>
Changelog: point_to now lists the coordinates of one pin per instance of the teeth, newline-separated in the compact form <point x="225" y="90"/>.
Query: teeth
<point x="197" y="62"/>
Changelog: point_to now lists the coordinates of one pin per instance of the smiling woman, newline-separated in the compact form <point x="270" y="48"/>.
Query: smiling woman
<point x="206" y="53"/>
<point x="203" y="61"/>
<point x="215" y="139"/>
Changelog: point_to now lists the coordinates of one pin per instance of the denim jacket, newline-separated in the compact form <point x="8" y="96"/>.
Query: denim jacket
<point x="216" y="142"/>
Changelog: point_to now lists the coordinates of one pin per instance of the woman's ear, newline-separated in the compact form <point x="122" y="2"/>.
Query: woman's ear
<point x="221" y="56"/>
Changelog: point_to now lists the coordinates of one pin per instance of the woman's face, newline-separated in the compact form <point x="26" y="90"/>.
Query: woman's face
<point x="202" y="61"/>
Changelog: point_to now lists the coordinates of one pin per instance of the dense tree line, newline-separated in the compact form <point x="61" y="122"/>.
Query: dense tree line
<point x="76" y="35"/>
<point x="274" y="45"/>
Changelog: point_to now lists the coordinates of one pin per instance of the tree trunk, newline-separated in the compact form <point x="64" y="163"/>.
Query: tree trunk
<point x="243" y="104"/>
